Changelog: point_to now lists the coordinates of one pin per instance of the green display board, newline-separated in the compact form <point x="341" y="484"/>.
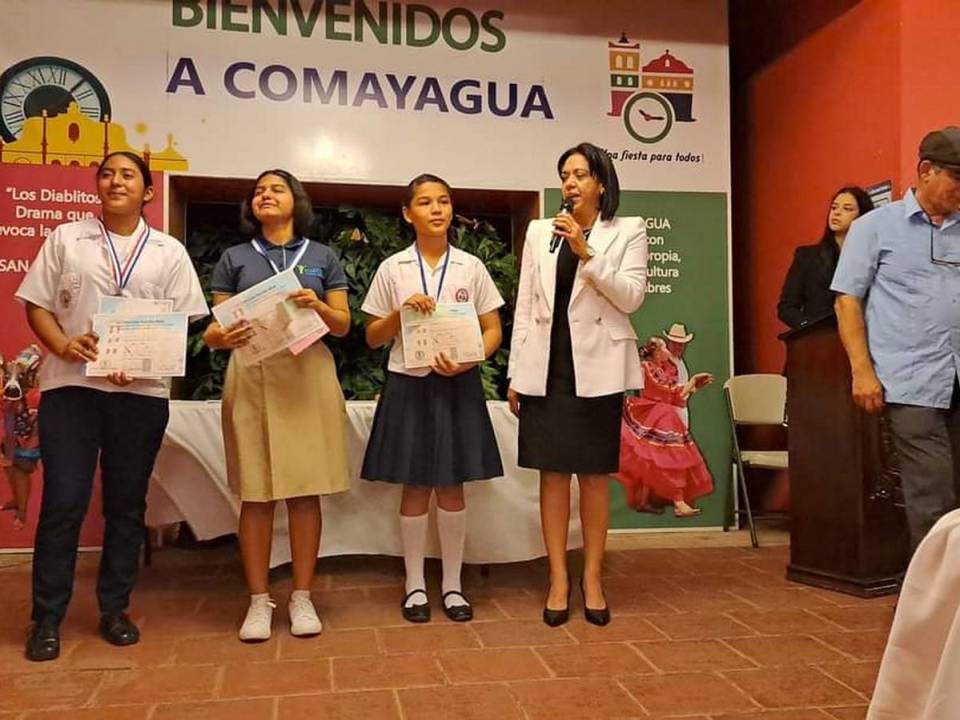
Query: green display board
<point x="688" y="283"/>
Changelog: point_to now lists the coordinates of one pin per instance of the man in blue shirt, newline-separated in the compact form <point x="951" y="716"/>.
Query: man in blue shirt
<point x="898" y="306"/>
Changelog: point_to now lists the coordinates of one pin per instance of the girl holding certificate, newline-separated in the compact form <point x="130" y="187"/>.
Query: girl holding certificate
<point x="117" y="418"/>
<point x="431" y="432"/>
<point x="573" y="355"/>
<point x="283" y="417"/>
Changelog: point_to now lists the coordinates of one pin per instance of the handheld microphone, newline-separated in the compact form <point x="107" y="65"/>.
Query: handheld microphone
<point x="565" y="207"/>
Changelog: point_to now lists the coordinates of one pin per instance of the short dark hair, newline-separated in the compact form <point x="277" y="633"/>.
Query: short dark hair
<point x="422" y="179"/>
<point x="302" y="205"/>
<point x="601" y="167"/>
<point x="864" y="205"/>
<point x="136" y="160"/>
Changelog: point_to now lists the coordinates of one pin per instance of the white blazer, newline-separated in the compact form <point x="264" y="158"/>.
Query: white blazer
<point x="608" y="287"/>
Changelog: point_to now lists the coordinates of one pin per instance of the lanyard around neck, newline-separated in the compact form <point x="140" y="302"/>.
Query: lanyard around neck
<point x="296" y="259"/>
<point x="123" y="271"/>
<point x="423" y="274"/>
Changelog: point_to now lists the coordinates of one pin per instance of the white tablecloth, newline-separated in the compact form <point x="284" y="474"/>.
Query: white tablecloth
<point x="190" y="484"/>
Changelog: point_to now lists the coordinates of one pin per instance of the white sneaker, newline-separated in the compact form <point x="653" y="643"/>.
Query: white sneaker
<point x="256" y="626"/>
<point x="304" y="621"/>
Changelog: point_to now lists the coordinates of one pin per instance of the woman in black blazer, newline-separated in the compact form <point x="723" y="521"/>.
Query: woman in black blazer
<point x="806" y="292"/>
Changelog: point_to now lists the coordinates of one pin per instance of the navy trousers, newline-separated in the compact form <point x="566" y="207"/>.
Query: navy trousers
<point x="77" y="426"/>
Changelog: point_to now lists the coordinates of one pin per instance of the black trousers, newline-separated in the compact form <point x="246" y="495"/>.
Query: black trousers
<point x="76" y="426"/>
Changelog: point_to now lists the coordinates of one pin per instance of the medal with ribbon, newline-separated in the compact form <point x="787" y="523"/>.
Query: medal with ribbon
<point x="123" y="271"/>
<point x="296" y="259"/>
<point x="423" y="274"/>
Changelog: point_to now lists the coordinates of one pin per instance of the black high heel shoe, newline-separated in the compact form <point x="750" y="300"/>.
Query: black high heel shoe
<point x="594" y="616"/>
<point x="555" y="618"/>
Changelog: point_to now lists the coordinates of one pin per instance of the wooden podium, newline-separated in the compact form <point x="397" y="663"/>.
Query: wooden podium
<point x="849" y="531"/>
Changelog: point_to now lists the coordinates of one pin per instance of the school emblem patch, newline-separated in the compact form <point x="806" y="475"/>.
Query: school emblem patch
<point x="463" y="295"/>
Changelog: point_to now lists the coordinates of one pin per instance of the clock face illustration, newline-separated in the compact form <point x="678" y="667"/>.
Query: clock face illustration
<point x="648" y="117"/>
<point x="47" y="83"/>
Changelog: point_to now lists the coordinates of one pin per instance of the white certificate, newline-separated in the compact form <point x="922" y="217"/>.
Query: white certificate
<point x="453" y="329"/>
<point x="278" y="324"/>
<point x="142" y="346"/>
<point x="113" y="305"/>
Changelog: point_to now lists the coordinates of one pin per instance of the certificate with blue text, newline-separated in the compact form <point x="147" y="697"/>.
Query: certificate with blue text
<point x="278" y="324"/>
<point x="141" y="346"/>
<point x="453" y="329"/>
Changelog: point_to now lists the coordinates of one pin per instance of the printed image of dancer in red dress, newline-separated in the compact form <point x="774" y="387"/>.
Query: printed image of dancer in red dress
<point x="659" y="460"/>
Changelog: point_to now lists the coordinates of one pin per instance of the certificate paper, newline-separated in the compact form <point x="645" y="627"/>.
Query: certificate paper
<point x="278" y="324"/>
<point x="453" y="328"/>
<point x="113" y="305"/>
<point x="142" y="346"/>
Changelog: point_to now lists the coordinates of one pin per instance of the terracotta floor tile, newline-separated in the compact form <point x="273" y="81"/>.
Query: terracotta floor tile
<point x="686" y="693"/>
<point x="393" y="671"/>
<point x="176" y="683"/>
<point x="692" y="656"/>
<point x="782" y="598"/>
<point x="99" y="655"/>
<point x="862" y="645"/>
<point x="861" y="676"/>
<point x="350" y="572"/>
<point x="812" y="714"/>
<point x="700" y="626"/>
<point x="621" y="629"/>
<point x="594" y="660"/>
<point x="583" y="699"/>
<point x="40" y="690"/>
<point x="524" y="607"/>
<point x="771" y="650"/>
<point x="626" y="600"/>
<point x="286" y="677"/>
<point x="464" y="702"/>
<point x="428" y="638"/>
<point x="790" y="621"/>
<point x="259" y="709"/>
<point x="792" y="687"/>
<point x="381" y="705"/>
<point x="125" y="712"/>
<point x="351" y="609"/>
<point x="515" y="633"/>
<point x="860" y="618"/>
<point x="495" y="665"/>
<point x="220" y="649"/>
<point x="849" y="713"/>
<point x="707" y="601"/>
<point x="332" y="643"/>
<point x="734" y="582"/>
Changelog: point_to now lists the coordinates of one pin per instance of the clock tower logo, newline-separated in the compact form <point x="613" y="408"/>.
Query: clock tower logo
<point x="54" y="111"/>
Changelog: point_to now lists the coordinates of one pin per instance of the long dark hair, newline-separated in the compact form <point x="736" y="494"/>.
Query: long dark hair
<point x="864" y="204"/>
<point x="601" y="167"/>
<point x="302" y="205"/>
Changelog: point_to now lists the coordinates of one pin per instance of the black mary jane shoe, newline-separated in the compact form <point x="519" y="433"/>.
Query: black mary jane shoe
<point x="43" y="642"/>
<point x="117" y="629"/>
<point x="555" y="618"/>
<point x="594" y="616"/>
<point x="458" y="613"/>
<point x="415" y="613"/>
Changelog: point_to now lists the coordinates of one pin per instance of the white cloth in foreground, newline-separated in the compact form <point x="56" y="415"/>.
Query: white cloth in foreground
<point x="503" y="515"/>
<point x="919" y="674"/>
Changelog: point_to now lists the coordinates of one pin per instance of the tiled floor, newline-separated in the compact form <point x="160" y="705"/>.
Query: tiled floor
<point x="698" y="632"/>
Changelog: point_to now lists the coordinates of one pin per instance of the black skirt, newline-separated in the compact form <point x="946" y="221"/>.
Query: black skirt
<point x="432" y="431"/>
<point x="562" y="432"/>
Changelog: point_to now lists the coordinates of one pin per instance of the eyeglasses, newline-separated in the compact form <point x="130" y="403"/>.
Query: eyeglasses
<point x="939" y="260"/>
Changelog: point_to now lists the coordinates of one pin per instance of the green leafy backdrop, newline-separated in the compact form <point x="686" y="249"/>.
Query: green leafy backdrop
<point x="361" y="239"/>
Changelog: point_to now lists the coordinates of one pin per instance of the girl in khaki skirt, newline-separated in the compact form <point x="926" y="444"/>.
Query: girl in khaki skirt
<point x="284" y="417"/>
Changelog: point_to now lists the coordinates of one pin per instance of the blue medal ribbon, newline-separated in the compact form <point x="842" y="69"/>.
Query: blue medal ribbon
<point x="423" y="274"/>
<point x="123" y="271"/>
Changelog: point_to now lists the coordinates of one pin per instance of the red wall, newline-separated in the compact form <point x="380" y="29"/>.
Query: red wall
<point x="823" y="114"/>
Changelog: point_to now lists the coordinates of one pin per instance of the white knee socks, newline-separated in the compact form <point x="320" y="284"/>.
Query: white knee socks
<point x="452" y="528"/>
<point x="413" y="531"/>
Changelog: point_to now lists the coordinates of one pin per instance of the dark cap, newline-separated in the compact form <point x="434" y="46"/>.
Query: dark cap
<point x="942" y="146"/>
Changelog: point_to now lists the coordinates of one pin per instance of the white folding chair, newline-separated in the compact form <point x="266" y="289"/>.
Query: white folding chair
<point x="759" y="399"/>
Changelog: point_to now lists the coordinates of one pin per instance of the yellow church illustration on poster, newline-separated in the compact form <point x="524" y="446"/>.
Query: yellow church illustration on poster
<point x="55" y="112"/>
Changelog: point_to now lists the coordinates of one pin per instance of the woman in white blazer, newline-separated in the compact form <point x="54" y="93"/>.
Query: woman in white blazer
<point x="573" y="355"/>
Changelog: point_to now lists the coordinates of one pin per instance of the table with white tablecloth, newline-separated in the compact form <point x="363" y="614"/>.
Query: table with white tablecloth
<point x="189" y="485"/>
